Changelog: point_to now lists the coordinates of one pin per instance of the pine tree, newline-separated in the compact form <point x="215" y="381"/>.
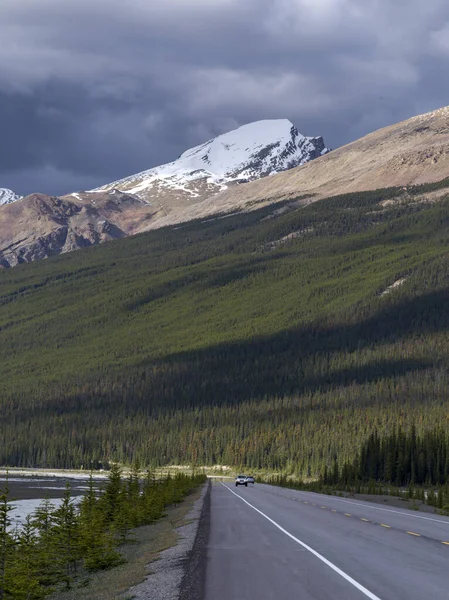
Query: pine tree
<point x="97" y="544"/>
<point x="43" y="522"/>
<point x="111" y="500"/>
<point x="25" y="570"/>
<point x="133" y="496"/>
<point x="6" y="543"/>
<point x="65" y="534"/>
<point x="152" y="501"/>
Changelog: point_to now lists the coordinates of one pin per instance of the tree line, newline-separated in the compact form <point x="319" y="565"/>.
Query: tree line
<point x="401" y="459"/>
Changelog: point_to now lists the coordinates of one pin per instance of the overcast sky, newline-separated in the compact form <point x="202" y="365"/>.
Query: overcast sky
<point x="94" y="90"/>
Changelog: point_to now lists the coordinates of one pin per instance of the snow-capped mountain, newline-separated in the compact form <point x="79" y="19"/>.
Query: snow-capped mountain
<point x="8" y="196"/>
<point x="250" y="152"/>
<point x="194" y="186"/>
<point x="39" y="225"/>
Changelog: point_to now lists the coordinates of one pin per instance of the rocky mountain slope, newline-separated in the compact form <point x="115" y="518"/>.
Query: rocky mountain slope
<point x="39" y="226"/>
<point x="8" y="196"/>
<point x="242" y="170"/>
<point x="410" y="152"/>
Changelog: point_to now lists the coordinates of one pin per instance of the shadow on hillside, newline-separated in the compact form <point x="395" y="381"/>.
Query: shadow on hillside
<point x="303" y="359"/>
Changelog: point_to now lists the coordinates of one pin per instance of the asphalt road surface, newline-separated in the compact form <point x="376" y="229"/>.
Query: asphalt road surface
<point x="269" y="543"/>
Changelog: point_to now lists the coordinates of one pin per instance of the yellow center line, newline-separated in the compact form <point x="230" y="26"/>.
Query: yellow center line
<point x="446" y="543"/>
<point x="387" y="526"/>
<point x="348" y="515"/>
<point x="322" y="507"/>
<point x="305" y="502"/>
<point x="413" y="533"/>
<point x="333" y="510"/>
<point x="366" y="520"/>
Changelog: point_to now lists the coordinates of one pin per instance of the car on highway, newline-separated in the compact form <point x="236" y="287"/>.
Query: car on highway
<point x="241" y="480"/>
<point x="250" y="479"/>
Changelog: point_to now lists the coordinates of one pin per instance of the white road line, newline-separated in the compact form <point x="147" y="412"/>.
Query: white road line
<point x="397" y="512"/>
<point x="352" y="581"/>
<point x="369" y="505"/>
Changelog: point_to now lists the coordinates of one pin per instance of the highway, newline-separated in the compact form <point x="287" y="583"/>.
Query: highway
<point x="273" y="543"/>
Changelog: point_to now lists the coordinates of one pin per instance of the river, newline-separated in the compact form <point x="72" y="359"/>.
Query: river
<point x="27" y="492"/>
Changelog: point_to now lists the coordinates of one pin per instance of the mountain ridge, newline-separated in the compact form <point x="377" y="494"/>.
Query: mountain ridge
<point x="411" y="152"/>
<point x="247" y="153"/>
<point x="40" y="225"/>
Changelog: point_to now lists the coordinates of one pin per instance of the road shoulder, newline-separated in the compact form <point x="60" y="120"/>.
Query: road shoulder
<point x="179" y="571"/>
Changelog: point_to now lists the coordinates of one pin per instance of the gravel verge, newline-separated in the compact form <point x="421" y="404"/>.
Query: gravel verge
<point x="179" y="572"/>
<point x="193" y="582"/>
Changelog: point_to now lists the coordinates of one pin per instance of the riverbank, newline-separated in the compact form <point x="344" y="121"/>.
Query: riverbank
<point x="27" y="491"/>
<point x="64" y="473"/>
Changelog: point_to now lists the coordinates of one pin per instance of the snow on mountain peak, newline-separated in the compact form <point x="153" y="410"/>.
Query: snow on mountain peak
<point x="8" y="196"/>
<point x="249" y="152"/>
<point x="227" y="153"/>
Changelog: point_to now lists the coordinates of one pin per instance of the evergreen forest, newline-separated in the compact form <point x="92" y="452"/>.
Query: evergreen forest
<point x="277" y="340"/>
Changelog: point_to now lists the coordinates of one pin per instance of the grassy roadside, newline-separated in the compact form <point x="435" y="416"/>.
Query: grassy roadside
<point x="145" y="545"/>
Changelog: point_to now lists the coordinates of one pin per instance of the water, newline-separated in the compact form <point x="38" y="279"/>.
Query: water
<point x="26" y="493"/>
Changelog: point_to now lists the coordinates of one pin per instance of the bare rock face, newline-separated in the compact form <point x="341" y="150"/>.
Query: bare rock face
<point x="39" y="226"/>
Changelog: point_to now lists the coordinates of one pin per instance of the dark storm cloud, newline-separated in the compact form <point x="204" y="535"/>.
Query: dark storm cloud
<point x="91" y="91"/>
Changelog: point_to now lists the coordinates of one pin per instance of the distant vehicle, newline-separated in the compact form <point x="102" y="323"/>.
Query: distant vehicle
<point x="241" y="480"/>
<point x="250" y="479"/>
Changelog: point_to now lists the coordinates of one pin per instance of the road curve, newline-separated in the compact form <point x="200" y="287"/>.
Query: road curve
<point x="272" y="543"/>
